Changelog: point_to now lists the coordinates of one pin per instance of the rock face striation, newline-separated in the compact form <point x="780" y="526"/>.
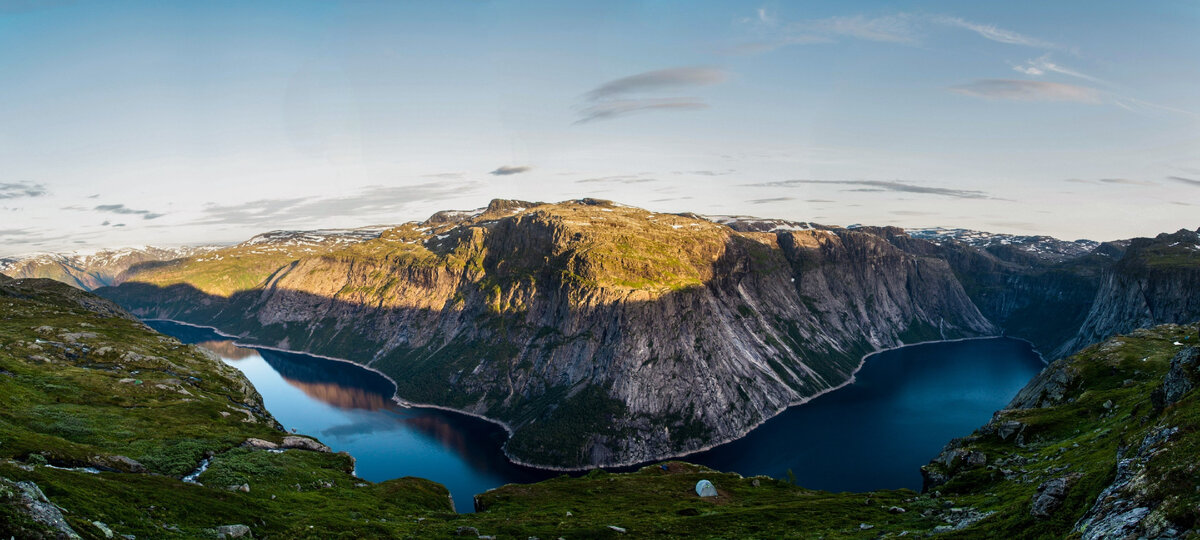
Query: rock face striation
<point x="1156" y="281"/>
<point x="600" y="334"/>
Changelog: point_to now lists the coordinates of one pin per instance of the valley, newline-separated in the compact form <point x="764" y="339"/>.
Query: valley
<point x="606" y="335"/>
<point x="1099" y="444"/>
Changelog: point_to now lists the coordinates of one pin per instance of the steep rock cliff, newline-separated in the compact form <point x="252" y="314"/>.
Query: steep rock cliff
<point x="1156" y="281"/>
<point x="600" y="334"/>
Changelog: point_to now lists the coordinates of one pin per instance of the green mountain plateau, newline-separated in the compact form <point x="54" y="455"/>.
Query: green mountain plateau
<point x="601" y="334"/>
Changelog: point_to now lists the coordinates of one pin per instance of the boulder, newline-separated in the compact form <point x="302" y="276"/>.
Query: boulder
<point x="1008" y="429"/>
<point x="1050" y="496"/>
<point x="120" y="463"/>
<point x="107" y="532"/>
<point x="259" y="444"/>
<point x="467" y="531"/>
<point x="303" y="443"/>
<point x="234" y="531"/>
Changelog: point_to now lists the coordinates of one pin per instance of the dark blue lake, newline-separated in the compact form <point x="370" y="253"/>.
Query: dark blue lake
<point x="874" y="434"/>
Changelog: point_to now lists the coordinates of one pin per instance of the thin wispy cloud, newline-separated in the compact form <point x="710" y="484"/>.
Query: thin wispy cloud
<point x="16" y="190"/>
<point x="8" y="233"/>
<point x="613" y="109"/>
<point x="773" y="33"/>
<point x="1140" y="106"/>
<point x="627" y="95"/>
<point x="125" y="210"/>
<point x="883" y="185"/>
<point x="1182" y="180"/>
<point x="1128" y="182"/>
<point x="899" y="28"/>
<point x="771" y="200"/>
<point x="706" y="172"/>
<point x="507" y="170"/>
<point x="1022" y="90"/>
<point x="623" y="179"/>
<point x="1043" y="65"/>
<point x="994" y="33"/>
<point x="663" y="79"/>
<point x="370" y="201"/>
<point x="1119" y="181"/>
<point x="33" y="239"/>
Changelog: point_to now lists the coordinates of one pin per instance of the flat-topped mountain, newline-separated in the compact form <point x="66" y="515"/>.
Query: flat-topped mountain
<point x="599" y="333"/>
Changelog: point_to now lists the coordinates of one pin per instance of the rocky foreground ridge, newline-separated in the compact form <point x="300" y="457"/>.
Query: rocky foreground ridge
<point x="104" y="425"/>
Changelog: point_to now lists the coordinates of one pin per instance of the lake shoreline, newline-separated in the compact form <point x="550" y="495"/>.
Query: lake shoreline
<point x="240" y="341"/>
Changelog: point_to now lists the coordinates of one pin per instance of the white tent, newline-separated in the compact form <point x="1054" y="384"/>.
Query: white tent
<point x="704" y="488"/>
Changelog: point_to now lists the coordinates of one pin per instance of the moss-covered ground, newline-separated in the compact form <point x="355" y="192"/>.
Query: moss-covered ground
<point x="106" y="416"/>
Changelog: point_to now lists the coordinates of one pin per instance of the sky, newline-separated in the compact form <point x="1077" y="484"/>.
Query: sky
<point x="168" y="123"/>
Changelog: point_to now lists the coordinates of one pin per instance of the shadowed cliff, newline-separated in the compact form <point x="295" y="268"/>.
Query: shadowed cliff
<point x="601" y="334"/>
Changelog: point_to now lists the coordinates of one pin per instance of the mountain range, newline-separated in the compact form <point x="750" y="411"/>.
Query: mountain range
<point x="111" y="430"/>
<point x="602" y="334"/>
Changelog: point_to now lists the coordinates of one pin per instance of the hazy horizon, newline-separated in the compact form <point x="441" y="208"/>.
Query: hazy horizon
<point x="180" y="124"/>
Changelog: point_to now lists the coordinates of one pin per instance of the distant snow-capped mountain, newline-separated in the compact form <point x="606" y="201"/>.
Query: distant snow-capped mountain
<point x="89" y="271"/>
<point x="1043" y="247"/>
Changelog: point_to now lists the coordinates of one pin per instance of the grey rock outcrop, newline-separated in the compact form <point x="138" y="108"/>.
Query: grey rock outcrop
<point x="234" y="531"/>
<point x="1123" y="509"/>
<point x="1050" y="495"/>
<point x="40" y="509"/>
<point x="1048" y="388"/>
<point x="1181" y="378"/>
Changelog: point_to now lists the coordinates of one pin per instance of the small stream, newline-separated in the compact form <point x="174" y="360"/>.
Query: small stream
<point x="192" y="476"/>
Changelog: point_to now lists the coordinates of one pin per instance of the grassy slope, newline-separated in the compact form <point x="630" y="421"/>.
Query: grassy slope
<point x="62" y="402"/>
<point x="1080" y="435"/>
<point x="1107" y="407"/>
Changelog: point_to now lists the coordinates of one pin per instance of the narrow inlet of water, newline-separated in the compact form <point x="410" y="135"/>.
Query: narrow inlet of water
<point x="904" y="406"/>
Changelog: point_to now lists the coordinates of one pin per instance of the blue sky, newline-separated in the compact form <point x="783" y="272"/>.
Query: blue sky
<point x="128" y="123"/>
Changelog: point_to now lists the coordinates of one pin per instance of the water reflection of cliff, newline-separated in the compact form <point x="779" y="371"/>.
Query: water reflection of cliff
<point x="339" y="396"/>
<point x="227" y="349"/>
<point x="348" y="386"/>
<point x="337" y="383"/>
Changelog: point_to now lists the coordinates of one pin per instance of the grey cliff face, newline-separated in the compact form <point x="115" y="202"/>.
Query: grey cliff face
<point x="780" y="318"/>
<point x="523" y="321"/>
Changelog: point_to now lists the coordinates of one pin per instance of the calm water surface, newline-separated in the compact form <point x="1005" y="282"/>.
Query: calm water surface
<point x="874" y="434"/>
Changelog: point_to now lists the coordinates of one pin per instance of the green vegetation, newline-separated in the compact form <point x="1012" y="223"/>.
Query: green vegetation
<point x="221" y="273"/>
<point x="82" y="386"/>
<point x="1105" y="413"/>
<point x="80" y="390"/>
